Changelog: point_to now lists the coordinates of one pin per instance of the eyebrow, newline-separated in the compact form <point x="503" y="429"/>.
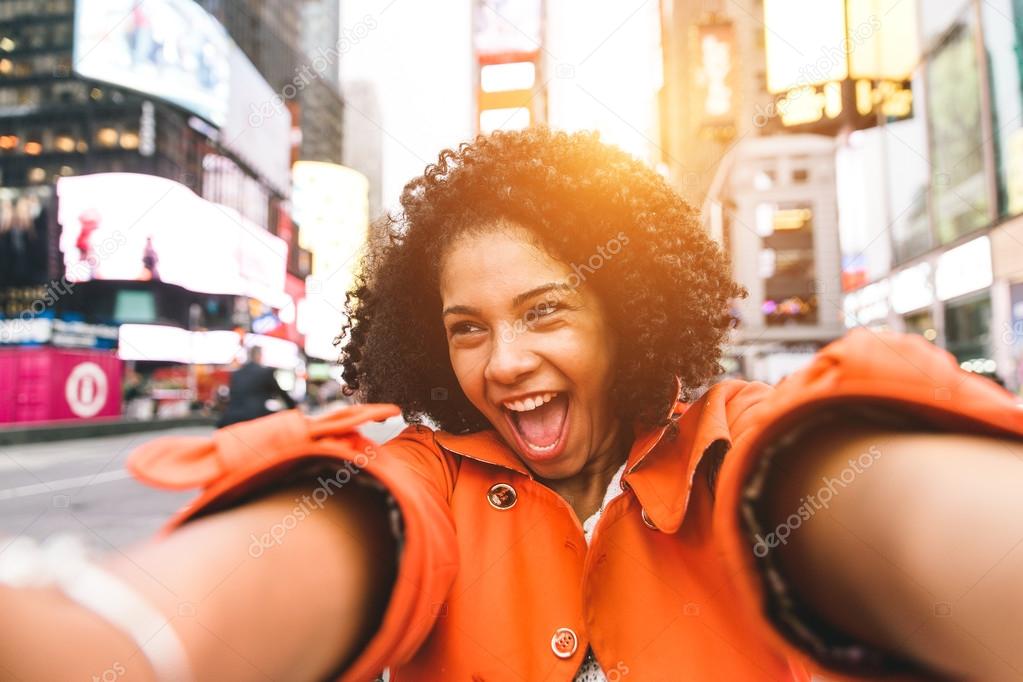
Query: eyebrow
<point x="517" y="301"/>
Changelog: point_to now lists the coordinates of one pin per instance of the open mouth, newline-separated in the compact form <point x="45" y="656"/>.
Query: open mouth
<point x="540" y="424"/>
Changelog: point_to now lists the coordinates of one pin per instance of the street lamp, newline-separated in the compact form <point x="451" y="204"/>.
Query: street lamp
<point x="839" y="64"/>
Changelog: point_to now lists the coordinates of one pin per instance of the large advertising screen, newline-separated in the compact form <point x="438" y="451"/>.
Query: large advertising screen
<point x="257" y="127"/>
<point x="126" y="226"/>
<point x="330" y="204"/>
<point x="171" y="49"/>
<point x="508" y="26"/>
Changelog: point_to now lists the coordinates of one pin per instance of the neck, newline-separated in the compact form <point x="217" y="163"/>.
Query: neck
<point x="585" y="490"/>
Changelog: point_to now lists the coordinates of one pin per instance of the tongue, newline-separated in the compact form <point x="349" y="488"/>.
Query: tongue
<point x="542" y="425"/>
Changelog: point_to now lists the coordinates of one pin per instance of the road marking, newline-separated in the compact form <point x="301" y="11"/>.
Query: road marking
<point x="63" y="484"/>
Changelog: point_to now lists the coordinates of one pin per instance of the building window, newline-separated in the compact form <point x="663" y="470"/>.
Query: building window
<point x="921" y="324"/>
<point x="907" y="178"/>
<point x="787" y="264"/>
<point x="968" y="329"/>
<point x="764" y="180"/>
<point x="958" y="182"/>
<point x="33" y="145"/>
<point x="1001" y="21"/>
<point x="107" y="137"/>
<point x="65" y="140"/>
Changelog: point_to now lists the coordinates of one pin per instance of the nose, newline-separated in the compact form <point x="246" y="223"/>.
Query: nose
<point x="510" y="359"/>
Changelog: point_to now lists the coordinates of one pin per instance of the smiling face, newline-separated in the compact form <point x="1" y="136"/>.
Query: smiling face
<point x="532" y="354"/>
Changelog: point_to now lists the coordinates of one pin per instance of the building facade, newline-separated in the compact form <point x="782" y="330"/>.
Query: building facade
<point x="144" y="202"/>
<point x="296" y="45"/>
<point x="938" y="250"/>
<point x="767" y="196"/>
<point x="922" y="105"/>
<point x="774" y="209"/>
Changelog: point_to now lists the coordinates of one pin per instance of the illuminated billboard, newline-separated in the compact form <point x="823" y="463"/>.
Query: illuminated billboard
<point x="126" y="226"/>
<point x="258" y="124"/>
<point x="835" y="64"/>
<point x="504" y="27"/>
<point x="331" y="206"/>
<point x="507" y="39"/>
<point x="716" y="79"/>
<point x="171" y="49"/>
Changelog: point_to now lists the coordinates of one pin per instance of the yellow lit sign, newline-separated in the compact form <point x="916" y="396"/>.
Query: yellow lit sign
<point x="791" y="218"/>
<point x="810" y="104"/>
<point x="894" y="100"/>
<point x="840" y="63"/>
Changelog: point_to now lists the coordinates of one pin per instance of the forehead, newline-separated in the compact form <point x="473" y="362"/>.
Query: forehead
<point x="496" y="264"/>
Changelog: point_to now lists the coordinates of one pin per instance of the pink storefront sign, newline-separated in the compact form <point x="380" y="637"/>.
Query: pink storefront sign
<point x="51" y="384"/>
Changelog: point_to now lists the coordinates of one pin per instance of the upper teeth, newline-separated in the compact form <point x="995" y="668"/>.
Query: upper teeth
<point x="530" y="403"/>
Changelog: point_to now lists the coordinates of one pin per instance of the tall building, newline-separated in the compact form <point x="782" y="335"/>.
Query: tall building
<point x="774" y="208"/>
<point x="269" y="32"/>
<point x="144" y="225"/>
<point x="364" y="140"/>
<point x="715" y="87"/>
<point x="922" y="103"/>
<point x="939" y="253"/>
<point x="768" y="197"/>
<point x="296" y="46"/>
<point x="321" y="32"/>
<point x="321" y="101"/>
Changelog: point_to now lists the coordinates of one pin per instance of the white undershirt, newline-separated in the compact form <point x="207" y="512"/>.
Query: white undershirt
<point x="590" y="670"/>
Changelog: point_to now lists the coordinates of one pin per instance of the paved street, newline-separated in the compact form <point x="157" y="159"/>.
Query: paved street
<point x="81" y="487"/>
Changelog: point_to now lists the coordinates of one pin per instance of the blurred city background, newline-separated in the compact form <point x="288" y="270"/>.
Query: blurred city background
<point x="183" y="180"/>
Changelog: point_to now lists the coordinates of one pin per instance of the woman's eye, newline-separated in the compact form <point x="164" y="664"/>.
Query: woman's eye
<point x="464" y="328"/>
<point x="546" y="309"/>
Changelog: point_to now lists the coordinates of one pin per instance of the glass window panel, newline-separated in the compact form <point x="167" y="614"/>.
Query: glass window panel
<point x="907" y="177"/>
<point x="959" y="191"/>
<point x="1003" y="42"/>
<point x="968" y="328"/>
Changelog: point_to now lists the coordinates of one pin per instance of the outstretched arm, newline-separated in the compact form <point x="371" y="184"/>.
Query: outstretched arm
<point x="298" y="610"/>
<point x="918" y="548"/>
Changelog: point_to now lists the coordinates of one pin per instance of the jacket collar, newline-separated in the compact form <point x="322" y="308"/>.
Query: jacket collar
<point x="660" y="476"/>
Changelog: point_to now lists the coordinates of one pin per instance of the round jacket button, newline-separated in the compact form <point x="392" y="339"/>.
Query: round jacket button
<point x="646" y="520"/>
<point x="564" y="643"/>
<point x="502" y="496"/>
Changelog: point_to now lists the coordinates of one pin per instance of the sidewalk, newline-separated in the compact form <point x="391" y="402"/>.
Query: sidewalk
<point x="41" y="432"/>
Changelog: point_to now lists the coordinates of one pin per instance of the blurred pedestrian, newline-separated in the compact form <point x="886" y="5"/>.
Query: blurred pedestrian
<point x="252" y="385"/>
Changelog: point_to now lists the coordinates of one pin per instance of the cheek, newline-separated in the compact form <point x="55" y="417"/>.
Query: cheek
<point x="582" y="355"/>
<point x="596" y="359"/>
<point x="468" y="369"/>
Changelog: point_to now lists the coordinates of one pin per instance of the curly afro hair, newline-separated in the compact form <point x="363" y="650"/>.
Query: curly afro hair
<point x="668" y="292"/>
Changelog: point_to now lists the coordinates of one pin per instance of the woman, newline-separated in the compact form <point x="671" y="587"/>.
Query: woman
<point x="579" y="514"/>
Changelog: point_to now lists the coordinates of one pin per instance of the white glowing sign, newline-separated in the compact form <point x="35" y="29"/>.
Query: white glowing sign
<point x="912" y="288"/>
<point x="964" y="269"/>
<point x="142" y="227"/>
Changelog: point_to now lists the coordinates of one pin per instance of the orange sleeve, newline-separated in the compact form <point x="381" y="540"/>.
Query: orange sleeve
<point x="247" y="459"/>
<point x="903" y="375"/>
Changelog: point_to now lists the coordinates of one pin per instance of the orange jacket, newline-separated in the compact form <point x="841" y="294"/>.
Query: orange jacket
<point x="496" y="581"/>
